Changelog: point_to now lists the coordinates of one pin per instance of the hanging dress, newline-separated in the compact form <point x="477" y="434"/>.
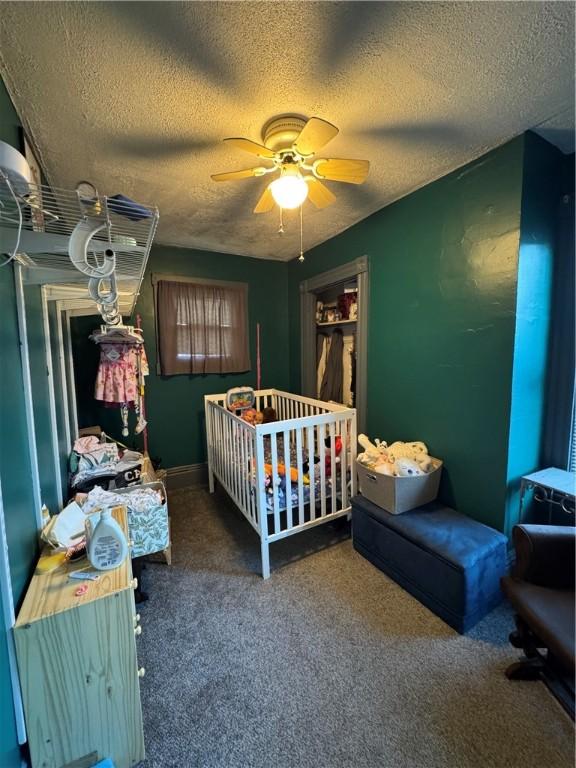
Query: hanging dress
<point x="117" y="378"/>
<point x="332" y="380"/>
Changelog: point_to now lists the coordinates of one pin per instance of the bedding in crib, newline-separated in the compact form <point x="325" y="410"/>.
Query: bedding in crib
<point x="283" y="483"/>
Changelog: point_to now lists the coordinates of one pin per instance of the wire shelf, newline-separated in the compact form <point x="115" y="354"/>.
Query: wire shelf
<point x="50" y="215"/>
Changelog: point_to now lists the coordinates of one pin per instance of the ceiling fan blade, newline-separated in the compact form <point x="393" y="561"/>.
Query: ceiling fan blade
<point x="266" y="202"/>
<point x="349" y="171"/>
<point x="318" y="193"/>
<point x="315" y="134"/>
<point x="251" y="146"/>
<point x="233" y="175"/>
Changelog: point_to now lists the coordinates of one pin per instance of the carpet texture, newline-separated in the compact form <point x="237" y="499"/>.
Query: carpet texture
<point x="327" y="664"/>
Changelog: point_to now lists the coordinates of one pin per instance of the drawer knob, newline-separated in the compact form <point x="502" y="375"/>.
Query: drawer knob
<point x="134" y="583"/>
<point x="138" y="630"/>
<point x="136" y="618"/>
<point x="141" y="672"/>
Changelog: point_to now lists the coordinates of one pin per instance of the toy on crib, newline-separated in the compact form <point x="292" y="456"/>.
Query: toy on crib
<point x="327" y="457"/>
<point x="268" y="415"/>
<point x="282" y="473"/>
<point x="240" y="399"/>
<point x="250" y="415"/>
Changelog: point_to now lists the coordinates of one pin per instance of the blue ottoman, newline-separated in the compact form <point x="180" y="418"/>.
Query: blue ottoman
<point x="448" y="561"/>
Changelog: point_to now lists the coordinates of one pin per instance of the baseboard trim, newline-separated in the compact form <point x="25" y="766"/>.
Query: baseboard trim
<point x="186" y="475"/>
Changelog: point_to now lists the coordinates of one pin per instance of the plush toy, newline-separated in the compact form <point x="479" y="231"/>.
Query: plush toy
<point x="373" y="452"/>
<point x="249" y="415"/>
<point x="408" y="468"/>
<point x="269" y="415"/>
<point x="396" y="460"/>
<point x="416" y="451"/>
<point x="327" y="456"/>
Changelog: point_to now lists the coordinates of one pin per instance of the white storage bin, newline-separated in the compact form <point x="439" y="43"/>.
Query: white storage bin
<point x="399" y="494"/>
<point x="149" y="531"/>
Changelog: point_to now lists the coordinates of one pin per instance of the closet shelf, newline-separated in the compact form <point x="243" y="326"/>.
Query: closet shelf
<point x="336" y="322"/>
<point x="49" y="216"/>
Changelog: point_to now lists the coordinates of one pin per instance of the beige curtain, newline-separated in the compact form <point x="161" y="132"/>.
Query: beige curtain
<point x="202" y="328"/>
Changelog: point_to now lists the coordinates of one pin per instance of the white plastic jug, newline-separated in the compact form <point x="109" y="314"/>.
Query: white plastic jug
<point x="106" y="543"/>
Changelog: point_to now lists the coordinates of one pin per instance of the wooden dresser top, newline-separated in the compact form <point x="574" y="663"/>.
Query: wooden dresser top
<point x="52" y="593"/>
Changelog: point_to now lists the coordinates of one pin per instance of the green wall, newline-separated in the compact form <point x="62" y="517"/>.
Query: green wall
<point x="443" y="274"/>
<point x="174" y="404"/>
<point x="15" y="471"/>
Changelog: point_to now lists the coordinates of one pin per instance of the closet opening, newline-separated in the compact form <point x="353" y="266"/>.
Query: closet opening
<point x="334" y="336"/>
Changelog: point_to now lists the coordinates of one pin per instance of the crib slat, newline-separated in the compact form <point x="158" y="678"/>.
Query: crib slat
<point x="288" y="479"/>
<point x="312" y="468"/>
<point x="228" y="447"/>
<point x="344" y="462"/>
<point x="274" y="445"/>
<point x="242" y="473"/>
<point x="235" y="461"/>
<point x="252" y="446"/>
<point x="300" y="470"/>
<point x="333" y="477"/>
<point x="218" y="446"/>
<point x="321" y="436"/>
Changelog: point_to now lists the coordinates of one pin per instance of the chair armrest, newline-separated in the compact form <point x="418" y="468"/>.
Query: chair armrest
<point x="545" y="555"/>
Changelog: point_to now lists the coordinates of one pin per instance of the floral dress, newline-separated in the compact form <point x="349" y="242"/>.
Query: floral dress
<point x="117" y="378"/>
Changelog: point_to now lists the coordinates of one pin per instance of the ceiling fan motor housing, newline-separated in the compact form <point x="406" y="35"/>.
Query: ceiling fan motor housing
<point x="281" y="132"/>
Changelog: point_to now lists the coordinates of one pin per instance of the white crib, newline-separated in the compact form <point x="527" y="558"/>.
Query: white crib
<point x="249" y="462"/>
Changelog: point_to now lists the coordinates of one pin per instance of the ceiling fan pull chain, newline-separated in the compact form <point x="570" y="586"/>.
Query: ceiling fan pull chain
<point x="281" y="227"/>
<point x="301" y="257"/>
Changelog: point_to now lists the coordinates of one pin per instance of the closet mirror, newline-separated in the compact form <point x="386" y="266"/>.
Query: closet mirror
<point x="334" y="335"/>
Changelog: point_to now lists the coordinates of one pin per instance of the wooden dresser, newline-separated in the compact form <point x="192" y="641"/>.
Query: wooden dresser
<point x="78" y="668"/>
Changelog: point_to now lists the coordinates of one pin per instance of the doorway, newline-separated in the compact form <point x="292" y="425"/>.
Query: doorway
<point x="311" y="292"/>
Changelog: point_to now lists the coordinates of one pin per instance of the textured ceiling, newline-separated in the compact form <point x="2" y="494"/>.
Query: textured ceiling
<point x="136" y="97"/>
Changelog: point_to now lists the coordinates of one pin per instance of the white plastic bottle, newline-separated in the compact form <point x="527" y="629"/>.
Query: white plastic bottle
<point x="107" y="545"/>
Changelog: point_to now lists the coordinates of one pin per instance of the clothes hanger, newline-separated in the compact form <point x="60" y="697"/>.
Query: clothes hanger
<point x="117" y="334"/>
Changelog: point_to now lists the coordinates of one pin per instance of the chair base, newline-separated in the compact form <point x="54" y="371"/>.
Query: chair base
<point x="526" y="669"/>
<point x="540" y="666"/>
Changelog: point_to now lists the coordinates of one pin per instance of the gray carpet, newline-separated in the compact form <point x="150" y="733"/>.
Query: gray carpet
<point x="327" y="664"/>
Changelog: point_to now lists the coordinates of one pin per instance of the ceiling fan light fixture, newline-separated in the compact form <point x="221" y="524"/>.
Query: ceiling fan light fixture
<point x="290" y="190"/>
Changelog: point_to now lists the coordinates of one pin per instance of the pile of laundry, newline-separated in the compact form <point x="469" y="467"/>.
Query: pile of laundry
<point x="96" y="461"/>
<point x="140" y="499"/>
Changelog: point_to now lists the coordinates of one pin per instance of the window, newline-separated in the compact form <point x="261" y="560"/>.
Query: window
<point x="202" y="326"/>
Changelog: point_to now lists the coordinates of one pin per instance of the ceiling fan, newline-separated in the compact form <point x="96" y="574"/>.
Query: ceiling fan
<point x="290" y="142"/>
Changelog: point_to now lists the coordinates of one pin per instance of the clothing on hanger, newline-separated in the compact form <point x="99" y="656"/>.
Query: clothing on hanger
<point x="120" y="379"/>
<point x="348" y="351"/>
<point x="322" y="349"/>
<point x="332" y="380"/>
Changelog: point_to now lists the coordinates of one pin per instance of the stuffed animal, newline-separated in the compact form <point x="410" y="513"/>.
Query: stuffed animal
<point x="249" y="415"/>
<point x="408" y="468"/>
<point x="416" y="451"/>
<point x="373" y="452"/>
<point x="396" y="460"/>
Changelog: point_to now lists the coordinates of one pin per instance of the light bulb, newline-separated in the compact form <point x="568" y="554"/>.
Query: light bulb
<point x="290" y="190"/>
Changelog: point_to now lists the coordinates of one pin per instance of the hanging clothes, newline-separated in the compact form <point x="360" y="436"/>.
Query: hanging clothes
<point x="332" y="381"/>
<point x="353" y="376"/>
<point x="117" y="377"/>
<point x="120" y="382"/>
<point x="348" y="351"/>
<point x="322" y="349"/>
